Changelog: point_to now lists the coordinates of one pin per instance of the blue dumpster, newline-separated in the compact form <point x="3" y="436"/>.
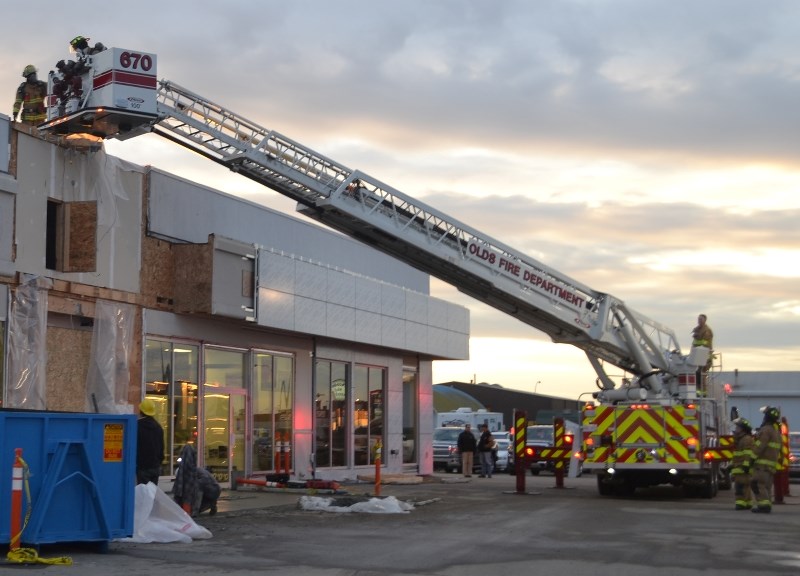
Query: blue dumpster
<point x="81" y="474"/>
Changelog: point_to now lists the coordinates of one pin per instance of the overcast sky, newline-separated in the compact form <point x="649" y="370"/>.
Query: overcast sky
<point x="649" y="149"/>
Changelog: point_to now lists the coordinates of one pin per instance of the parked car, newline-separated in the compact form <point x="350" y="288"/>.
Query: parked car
<point x="794" y="454"/>
<point x="503" y="443"/>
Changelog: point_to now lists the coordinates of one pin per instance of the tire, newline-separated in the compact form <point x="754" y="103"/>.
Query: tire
<point x="709" y="487"/>
<point x="604" y="488"/>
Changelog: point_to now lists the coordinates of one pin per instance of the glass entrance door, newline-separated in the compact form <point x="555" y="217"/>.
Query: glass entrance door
<point x="224" y="418"/>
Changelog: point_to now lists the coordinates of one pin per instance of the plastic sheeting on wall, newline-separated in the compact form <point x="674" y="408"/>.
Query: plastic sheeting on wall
<point x="27" y="352"/>
<point x="108" y="379"/>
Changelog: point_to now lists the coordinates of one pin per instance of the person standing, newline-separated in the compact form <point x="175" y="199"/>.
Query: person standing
<point x="150" y="444"/>
<point x="466" y="446"/>
<point x="742" y="463"/>
<point x="703" y="335"/>
<point x="766" y="450"/>
<point x="485" y="445"/>
<point x="30" y="99"/>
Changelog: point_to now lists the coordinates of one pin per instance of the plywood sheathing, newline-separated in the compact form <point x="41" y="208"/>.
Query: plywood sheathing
<point x="68" y="353"/>
<point x="157" y="274"/>
<point x="193" y="277"/>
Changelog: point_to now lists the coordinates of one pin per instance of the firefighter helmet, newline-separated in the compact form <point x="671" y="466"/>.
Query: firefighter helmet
<point x="78" y="41"/>
<point x="29" y="69"/>
<point x="744" y="424"/>
<point x="147" y="407"/>
<point x="771" y="413"/>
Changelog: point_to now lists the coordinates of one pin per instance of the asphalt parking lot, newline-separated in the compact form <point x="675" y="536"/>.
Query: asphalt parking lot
<point x="466" y="528"/>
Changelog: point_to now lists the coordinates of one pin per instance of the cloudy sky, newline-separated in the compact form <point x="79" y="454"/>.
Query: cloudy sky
<point x="649" y="149"/>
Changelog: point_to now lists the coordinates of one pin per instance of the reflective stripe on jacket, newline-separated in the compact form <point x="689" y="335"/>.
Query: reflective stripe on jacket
<point x="767" y="447"/>
<point x="742" y="454"/>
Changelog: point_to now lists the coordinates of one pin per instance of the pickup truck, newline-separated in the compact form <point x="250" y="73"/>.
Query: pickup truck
<point x="446" y="455"/>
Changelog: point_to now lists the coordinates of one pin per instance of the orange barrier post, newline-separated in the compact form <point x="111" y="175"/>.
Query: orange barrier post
<point x="264" y="483"/>
<point x="16" y="500"/>
<point x="520" y="442"/>
<point x="287" y="453"/>
<point x="378" y="449"/>
<point x="558" y="432"/>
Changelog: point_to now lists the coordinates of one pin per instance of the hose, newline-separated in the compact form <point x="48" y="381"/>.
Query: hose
<point x="29" y="555"/>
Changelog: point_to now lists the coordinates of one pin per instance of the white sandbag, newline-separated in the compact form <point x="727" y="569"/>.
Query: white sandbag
<point x="157" y="518"/>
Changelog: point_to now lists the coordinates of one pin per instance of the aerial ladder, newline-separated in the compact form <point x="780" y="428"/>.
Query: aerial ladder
<point x="369" y="210"/>
<point x="363" y="207"/>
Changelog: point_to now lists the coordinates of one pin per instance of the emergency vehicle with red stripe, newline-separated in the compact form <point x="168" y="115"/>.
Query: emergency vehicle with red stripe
<point x="650" y="422"/>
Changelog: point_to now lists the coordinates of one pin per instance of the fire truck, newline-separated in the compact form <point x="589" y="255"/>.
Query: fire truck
<point x="649" y="422"/>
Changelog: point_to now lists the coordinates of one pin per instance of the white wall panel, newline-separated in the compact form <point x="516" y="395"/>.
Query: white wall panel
<point x="368" y="295"/>
<point x="275" y="309"/>
<point x="393" y="301"/>
<point x="276" y="272"/>
<point x="457" y="345"/>
<point x="438" y="313"/>
<point x="368" y="327"/>
<point x="341" y="288"/>
<point x="437" y="341"/>
<point x="310" y="316"/>
<point x="310" y="280"/>
<point x="393" y="332"/>
<point x="341" y="321"/>
<point x="416" y="336"/>
<point x="343" y="305"/>
<point x="416" y="307"/>
<point x="457" y="319"/>
<point x="6" y="234"/>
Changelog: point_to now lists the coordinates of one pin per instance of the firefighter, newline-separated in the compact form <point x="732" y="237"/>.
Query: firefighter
<point x="742" y="463"/>
<point x="766" y="451"/>
<point x="702" y="335"/>
<point x="80" y="45"/>
<point x="31" y="96"/>
<point x="780" y="485"/>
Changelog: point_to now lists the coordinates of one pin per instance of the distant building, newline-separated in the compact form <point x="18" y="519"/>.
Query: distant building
<point x="752" y="390"/>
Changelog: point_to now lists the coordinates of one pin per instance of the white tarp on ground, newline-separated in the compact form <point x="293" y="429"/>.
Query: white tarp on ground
<point x="390" y="505"/>
<point x="157" y="518"/>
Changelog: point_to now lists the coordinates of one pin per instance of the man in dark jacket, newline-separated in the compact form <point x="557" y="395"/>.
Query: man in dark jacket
<point x="485" y="447"/>
<point x="466" y="446"/>
<point x="150" y="444"/>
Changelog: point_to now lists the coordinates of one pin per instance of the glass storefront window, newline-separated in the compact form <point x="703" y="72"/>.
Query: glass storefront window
<point x="331" y="414"/>
<point x="409" y="415"/>
<point x="272" y="401"/>
<point x="171" y="375"/>
<point x="225" y="412"/>
<point x="368" y="413"/>
<point x="224" y="368"/>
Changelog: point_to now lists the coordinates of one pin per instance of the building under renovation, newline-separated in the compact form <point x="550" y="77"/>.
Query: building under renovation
<point x="270" y="343"/>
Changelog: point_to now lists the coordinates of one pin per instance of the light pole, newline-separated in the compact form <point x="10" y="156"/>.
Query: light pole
<point x="535" y="386"/>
